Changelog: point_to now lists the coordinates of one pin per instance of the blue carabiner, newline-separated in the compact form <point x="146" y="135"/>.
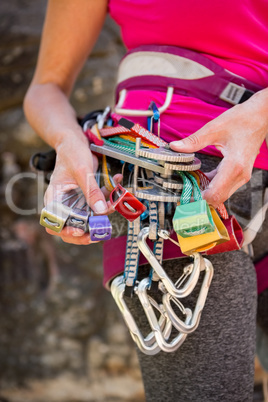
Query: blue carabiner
<point x="154" y="118"/>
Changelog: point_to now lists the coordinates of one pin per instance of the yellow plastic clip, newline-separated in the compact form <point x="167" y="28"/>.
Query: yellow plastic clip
<point x="207" y="240"/>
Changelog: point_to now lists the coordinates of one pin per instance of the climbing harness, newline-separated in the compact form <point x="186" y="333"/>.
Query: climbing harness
<point x="161" y="182"/>
<point x="176" y="70"/>
<point x="160" y="178"/>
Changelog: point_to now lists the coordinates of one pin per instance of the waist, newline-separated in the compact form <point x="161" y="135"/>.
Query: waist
<point x="188" y="73"/>
<point x="184" y="116"/>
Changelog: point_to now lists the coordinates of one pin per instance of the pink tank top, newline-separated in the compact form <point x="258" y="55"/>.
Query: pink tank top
<point x="241" y="29"/>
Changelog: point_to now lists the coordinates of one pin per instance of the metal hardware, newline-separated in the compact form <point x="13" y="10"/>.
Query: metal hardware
<point x="78" y="218"/>
<point x="147" y="345"/>
<point x="99" y="227"/>
<point x="156" y="194"/>
<point x="173" y="345"/>
<point x="54" y="216"/>
<point x="195" y="165"/>
<point x="187" y="328"/>
<point x="170" y="183"/>
<point x="126" y="157"/>
<point x="102" y="118"/>
<point x="164" y="154"/>
<point x="126" y="203"/>
<point x="169" y="285"/>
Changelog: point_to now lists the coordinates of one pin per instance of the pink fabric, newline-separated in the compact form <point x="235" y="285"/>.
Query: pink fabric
<point x="114" y="258"/>
<point x="262" y="274"/>
<point x="112" y="250"/>
<point x="241" y="29"/>
<point x="232" y="33"/>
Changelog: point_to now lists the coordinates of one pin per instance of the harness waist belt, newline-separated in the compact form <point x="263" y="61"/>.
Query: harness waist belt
<point x="157" y="67"/>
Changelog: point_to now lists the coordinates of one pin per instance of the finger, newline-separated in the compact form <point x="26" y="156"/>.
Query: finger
<point x="83" y="241"/>
<point x="230" y="176"/>
<point x="117" y="179"/>
<point x="199" y="140"/>
<point x="58" y="191"/>
<point x="95" y="163"/>
<point x="67" y="237"/>
<point x="210" y="175"/>
<point x="67" y="232"/>
<point x="93" y="194"/>
<point x="110" y="208"/>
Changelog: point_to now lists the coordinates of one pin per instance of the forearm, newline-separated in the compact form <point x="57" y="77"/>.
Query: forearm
<point x="50" y="114"/>
<point x="69" y="35"/>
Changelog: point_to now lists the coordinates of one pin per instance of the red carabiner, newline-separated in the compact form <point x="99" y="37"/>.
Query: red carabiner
<point x="126" y="203"/>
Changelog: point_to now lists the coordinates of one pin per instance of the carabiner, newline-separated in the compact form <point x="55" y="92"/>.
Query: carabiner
<point x="173" y="345"/>
<point x="169" y="285"/>
<point x="147" y="345"/>
<point x="187" y="328"/>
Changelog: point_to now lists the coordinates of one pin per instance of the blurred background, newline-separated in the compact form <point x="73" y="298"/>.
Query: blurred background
<point x="62" y="338"/>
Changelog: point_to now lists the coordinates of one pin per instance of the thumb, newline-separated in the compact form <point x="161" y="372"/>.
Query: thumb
<point x="199" y="140"/>
<point x="92" y="192"/>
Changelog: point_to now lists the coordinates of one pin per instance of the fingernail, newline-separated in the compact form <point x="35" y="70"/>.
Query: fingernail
<point x="177" y="143"/>
<point x="99" y="207"/>
<point x="77" y="233"/>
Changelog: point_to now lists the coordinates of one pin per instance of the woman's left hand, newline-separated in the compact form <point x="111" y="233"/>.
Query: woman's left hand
<point x="238" y="133"/>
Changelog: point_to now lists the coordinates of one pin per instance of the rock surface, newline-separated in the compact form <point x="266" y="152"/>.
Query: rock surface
<point x="62" y="338"/>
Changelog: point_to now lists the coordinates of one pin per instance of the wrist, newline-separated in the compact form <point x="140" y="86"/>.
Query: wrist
<point x="69" y="139"/>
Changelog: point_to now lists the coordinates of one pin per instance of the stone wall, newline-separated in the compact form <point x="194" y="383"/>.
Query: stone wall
<point x="61" y="338"/>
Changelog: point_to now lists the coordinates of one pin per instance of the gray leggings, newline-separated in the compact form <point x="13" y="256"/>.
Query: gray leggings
<point x="216" y="362"/>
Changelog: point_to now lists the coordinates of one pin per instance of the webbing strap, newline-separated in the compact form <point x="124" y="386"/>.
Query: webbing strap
<point x="204" y="183"/>
<point x="159" y="243"/>
<point x="105" y="172"/>
<point x="121" y="147"/>
<point x="189" y="73"/>
<point x="132" y="253"/>
<point x="196" y="190"/>
<point x="153" y="220"/>
<point x="187" y="189"/>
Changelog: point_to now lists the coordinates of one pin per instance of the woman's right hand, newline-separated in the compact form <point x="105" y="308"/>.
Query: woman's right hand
<point x="69" y="34"/>
<point x="75" y="168"/>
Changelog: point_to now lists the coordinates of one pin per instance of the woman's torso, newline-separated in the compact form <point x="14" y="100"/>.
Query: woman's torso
<point x="232" y="33"/>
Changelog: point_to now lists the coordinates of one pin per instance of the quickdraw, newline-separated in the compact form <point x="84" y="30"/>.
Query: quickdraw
<point x="161" y="180"/>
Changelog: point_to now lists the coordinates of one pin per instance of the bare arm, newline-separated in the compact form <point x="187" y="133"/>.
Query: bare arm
<point x="69" y="34"/>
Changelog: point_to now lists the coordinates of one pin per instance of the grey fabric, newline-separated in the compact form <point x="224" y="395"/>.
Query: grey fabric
<point x="216" y="362"/>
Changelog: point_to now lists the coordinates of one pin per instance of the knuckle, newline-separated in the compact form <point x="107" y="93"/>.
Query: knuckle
<point x="238" y="169"/>
<point x="215" y="199"/>
<point x="192" y="139"/>
<point x="246" y="176"/>
<point x="211" y="127"/>
<point x="82" y="170"/>
<point x="93" y="192"/>
<point x="241" y="171"/>
<point x="212" y="197"/>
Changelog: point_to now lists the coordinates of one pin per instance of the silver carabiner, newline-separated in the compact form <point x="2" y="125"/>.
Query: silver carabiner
<point x="147" y="345"/>
<point x="173" y="345"/>
<point x="187" y="328"/>
<point x="169" y="285"/>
